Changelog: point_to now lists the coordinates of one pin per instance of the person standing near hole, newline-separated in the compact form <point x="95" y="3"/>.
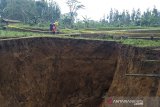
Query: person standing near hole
<point x="50" y="26"/>
<point x="54" y="28"/>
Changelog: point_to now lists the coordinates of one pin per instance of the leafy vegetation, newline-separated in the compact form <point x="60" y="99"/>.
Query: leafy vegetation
<point x="141" y="42"/>
<point x="74" y="6"/>
<point x="42" y="12"/>
<point x="30" y="11"/>
<point x="136" y="18"/>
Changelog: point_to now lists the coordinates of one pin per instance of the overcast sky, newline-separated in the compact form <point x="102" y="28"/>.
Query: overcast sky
<point x="96" y="9"/>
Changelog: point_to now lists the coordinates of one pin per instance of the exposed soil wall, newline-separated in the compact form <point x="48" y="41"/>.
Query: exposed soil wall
<point x="136" y="61"/>
<point x="54" y="72"/>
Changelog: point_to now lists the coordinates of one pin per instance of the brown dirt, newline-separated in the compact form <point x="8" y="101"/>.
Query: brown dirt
<point x="50" y="72"/>
<point x="134" y="60"/>
<point x="53" y="72"/>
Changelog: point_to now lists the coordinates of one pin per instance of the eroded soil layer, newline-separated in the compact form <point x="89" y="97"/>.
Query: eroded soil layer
<point x="54" y="72"/>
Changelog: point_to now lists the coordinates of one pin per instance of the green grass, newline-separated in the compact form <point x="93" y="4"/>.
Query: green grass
<point x="17" y="34"/>
<point x="21" y="25"/>
<point x="113" y="31"/>
<point x="115" y="28"/>
<point x="12" y="34"/>
<point x="134" y="42"/>
<point x="68" y="31"/>
<point x="141" y="42"/>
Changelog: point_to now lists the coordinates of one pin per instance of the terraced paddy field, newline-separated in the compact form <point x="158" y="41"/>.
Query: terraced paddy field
<point x="140" y="36"/>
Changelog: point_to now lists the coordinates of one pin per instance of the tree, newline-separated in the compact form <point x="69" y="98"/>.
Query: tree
<point x="41" y="6"/>
<point x="3" y="4"/>
<point x="53" y="12"/>
<point x="74" y="6"/>
<point x="146" y="18"/>
<point x="111" y="16"/>
<point x="128" y="18"/>
<point x="30" y="11"/>
<point x="104" y="21"/>
<point x="133" y="16"/>
<point x="86" y="21"/>
<point x="155" y="17"/>
<point x="16" y="9"/>
<point x="47" y="11"/>
<point x="123" y="18"/>
<point x="65" y="20"/>
<point x="138" y="18"/>
<point x="116" y="17"/>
